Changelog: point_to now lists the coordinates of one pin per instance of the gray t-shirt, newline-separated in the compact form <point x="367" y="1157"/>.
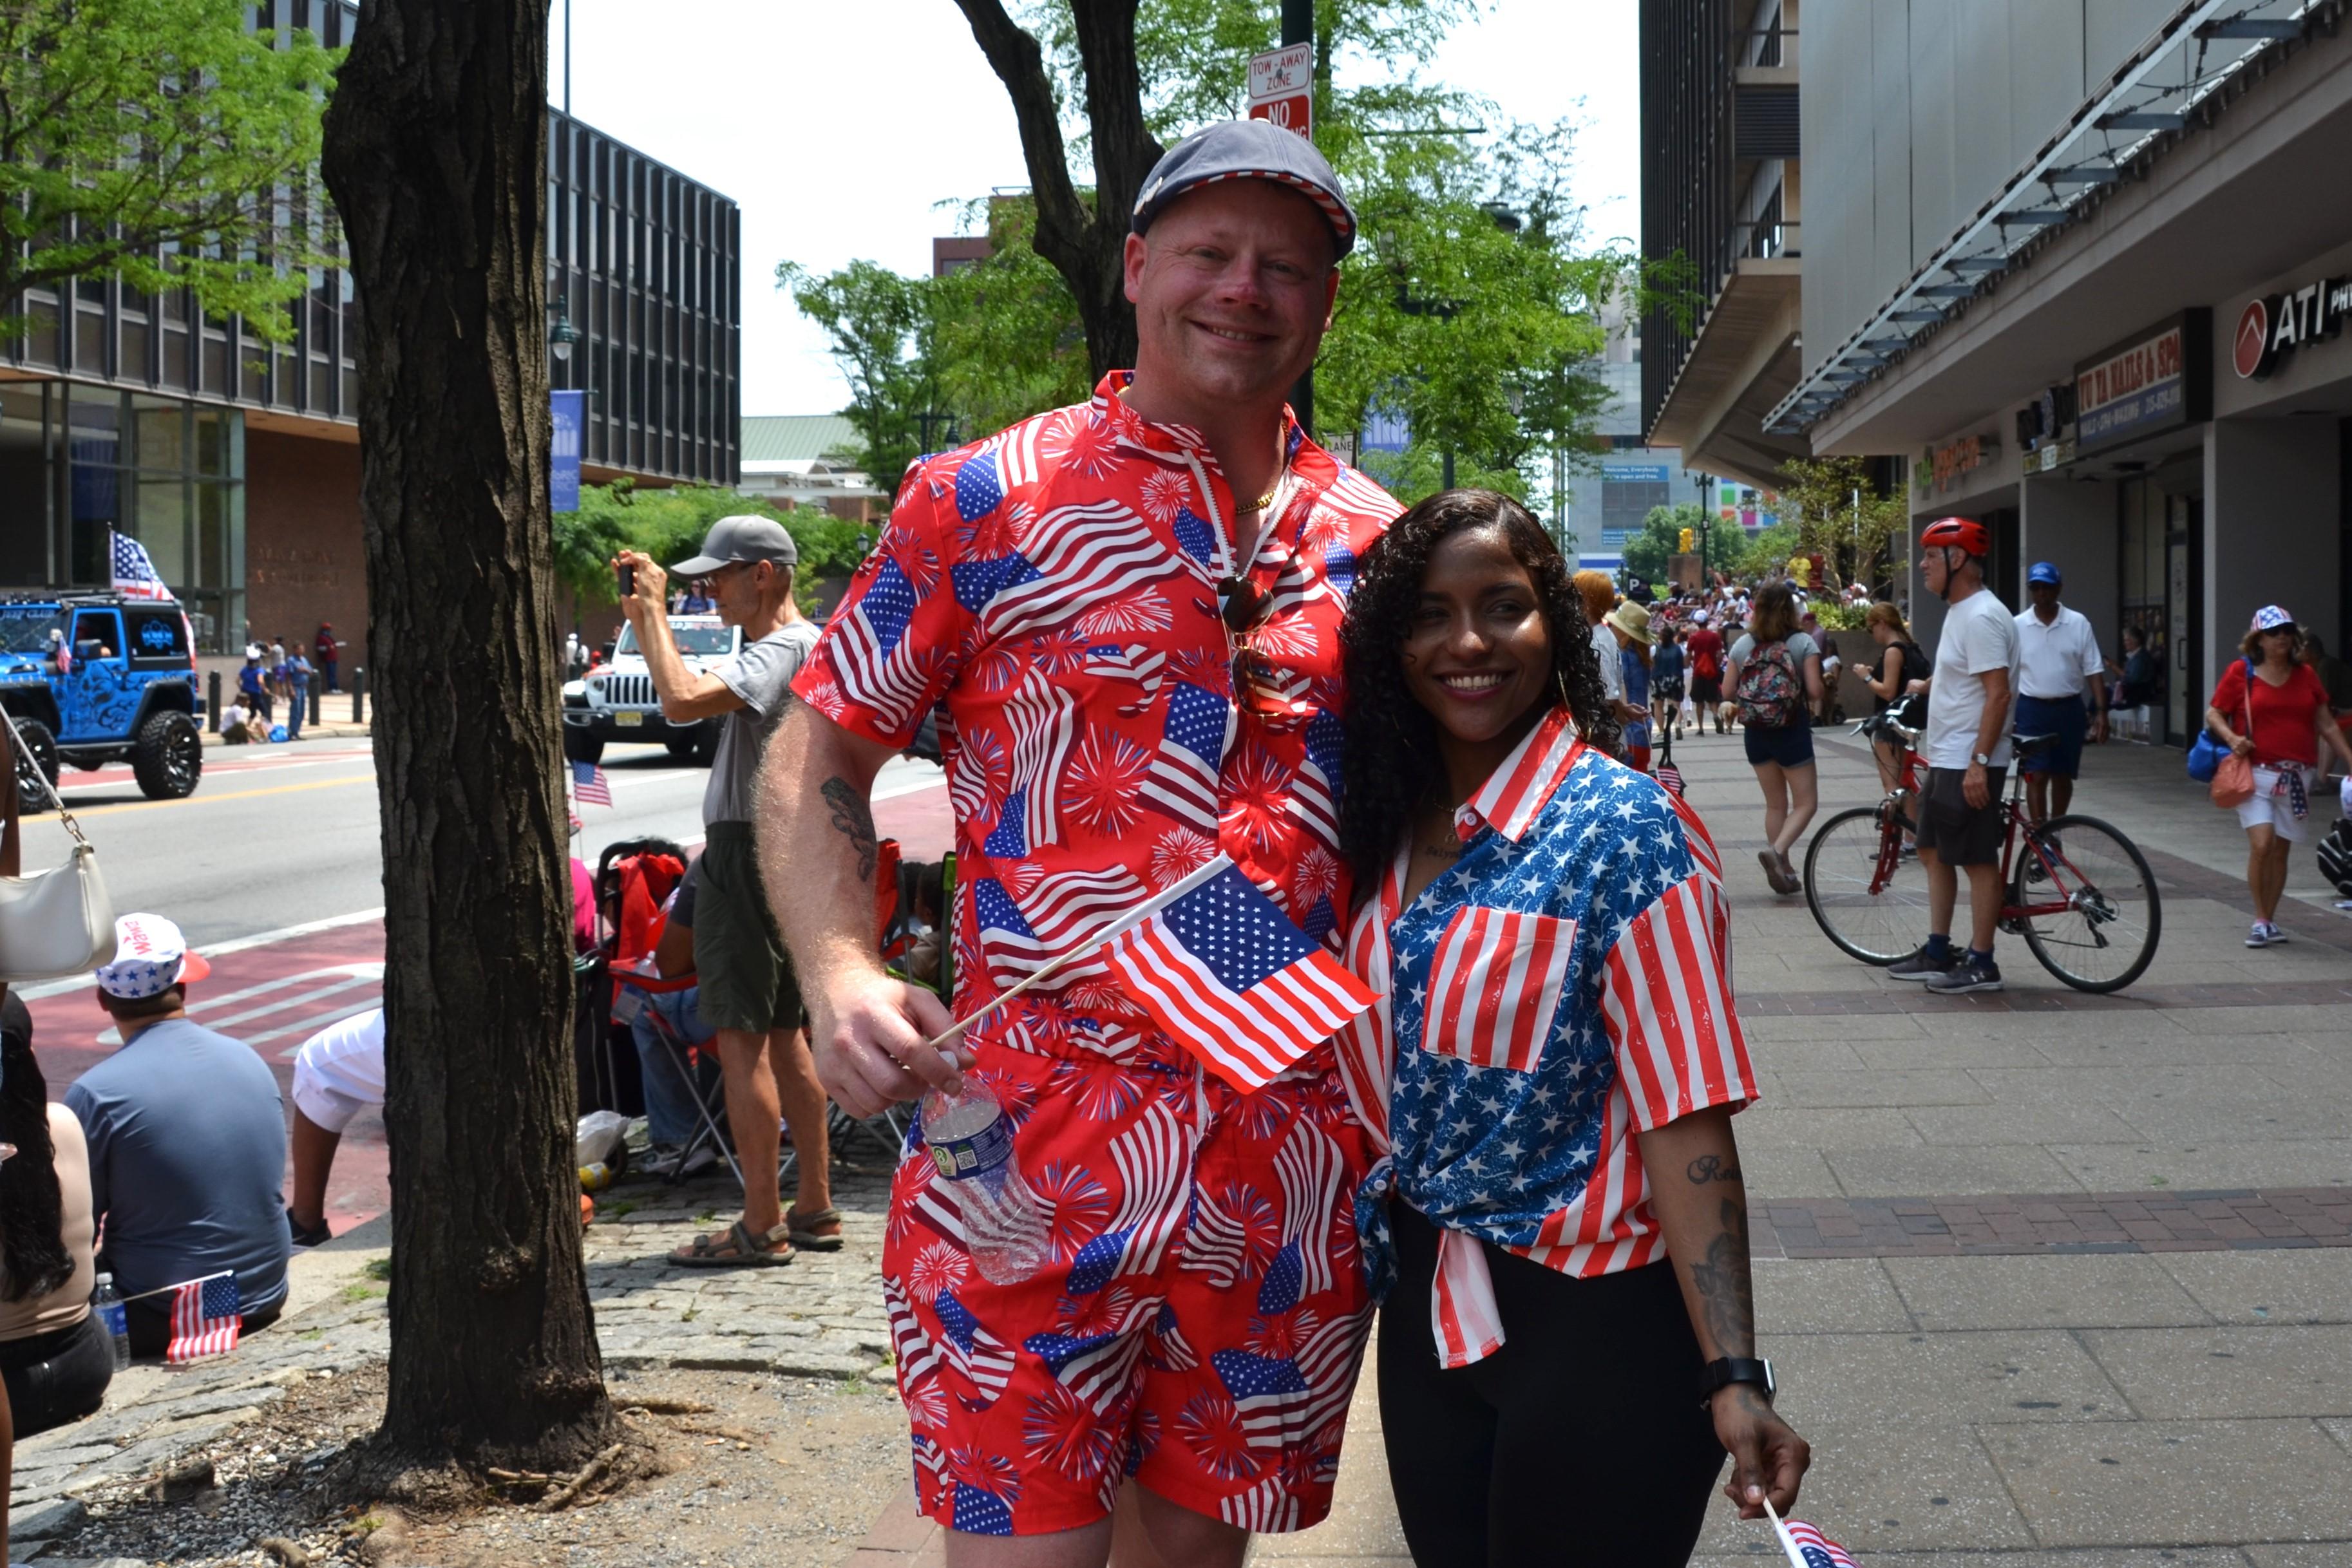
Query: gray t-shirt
<point x="187" y="1162"/>
<point x="761" y="675"/>
<point x="1800" y="648"/>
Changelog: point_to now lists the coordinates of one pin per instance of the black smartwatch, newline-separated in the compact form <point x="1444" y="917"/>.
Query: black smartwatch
<point x="1733" y="1369"/>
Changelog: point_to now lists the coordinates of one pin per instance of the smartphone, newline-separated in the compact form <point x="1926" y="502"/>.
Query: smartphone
<point x="628" y="581"/>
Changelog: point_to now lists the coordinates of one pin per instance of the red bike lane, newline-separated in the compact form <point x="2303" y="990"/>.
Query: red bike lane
<point x="273" y="996"/>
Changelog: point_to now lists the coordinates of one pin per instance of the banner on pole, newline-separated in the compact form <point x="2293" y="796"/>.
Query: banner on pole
<point x="570" y="409"/>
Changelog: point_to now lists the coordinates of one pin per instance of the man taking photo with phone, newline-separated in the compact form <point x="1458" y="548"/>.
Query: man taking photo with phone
<point x="748" y="993"/>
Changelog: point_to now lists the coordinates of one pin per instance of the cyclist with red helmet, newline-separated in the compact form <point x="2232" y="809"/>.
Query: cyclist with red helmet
<point x="1967" y="750"/>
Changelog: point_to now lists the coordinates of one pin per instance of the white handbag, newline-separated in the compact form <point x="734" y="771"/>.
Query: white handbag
<point x="59" y="922"/>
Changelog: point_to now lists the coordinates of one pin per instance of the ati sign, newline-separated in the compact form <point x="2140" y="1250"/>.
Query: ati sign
<point x="2155" y="381"/>
<point x="2276" y="324"/>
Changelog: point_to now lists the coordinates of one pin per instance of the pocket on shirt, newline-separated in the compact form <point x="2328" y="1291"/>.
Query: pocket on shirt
<point x="1494" y="985"/>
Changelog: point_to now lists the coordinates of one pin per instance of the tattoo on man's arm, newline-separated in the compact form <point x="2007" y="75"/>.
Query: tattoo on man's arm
<point x="1712" y="1168"/>
<point x="854" y="820"/>
<point x="1726" y="1293"/>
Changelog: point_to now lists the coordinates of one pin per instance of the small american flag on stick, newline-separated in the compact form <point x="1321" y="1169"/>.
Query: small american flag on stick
<point x="1219" y="966"/>
<point x="1807" y="1547"/>
<point x="205" y="1318"/>
<point x="589" y="785"/>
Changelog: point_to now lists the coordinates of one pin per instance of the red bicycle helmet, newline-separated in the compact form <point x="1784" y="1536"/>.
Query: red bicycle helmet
<point x="1960" y="533"/>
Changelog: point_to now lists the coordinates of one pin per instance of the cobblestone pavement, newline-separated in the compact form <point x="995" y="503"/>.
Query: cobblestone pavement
<point x="820" y="1317"/>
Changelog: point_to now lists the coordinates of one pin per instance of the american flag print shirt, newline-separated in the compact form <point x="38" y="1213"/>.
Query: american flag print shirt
<point x="1566" y="987"/>
<point x="1053" y="589"/>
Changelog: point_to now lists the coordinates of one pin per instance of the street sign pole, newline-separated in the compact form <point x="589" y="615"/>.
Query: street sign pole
<point x="1282" y="89"/>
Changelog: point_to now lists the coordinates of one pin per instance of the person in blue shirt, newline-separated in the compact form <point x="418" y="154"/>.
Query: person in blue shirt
<point x="1630" y="622"/>
<point x="1559" y="1221"/>
<point x="187" y="1142"/>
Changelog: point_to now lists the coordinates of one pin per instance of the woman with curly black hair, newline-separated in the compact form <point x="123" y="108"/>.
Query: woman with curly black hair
<point x="1546" y="931"/>
<point x="54" y="1354"/>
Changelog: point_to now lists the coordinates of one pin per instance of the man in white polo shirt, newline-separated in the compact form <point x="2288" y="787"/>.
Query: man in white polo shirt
<point x="2057" y="662"/>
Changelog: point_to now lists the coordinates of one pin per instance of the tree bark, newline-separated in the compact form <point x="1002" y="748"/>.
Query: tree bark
<point x="437" y="157"/>
<point x="1086" y="247"/>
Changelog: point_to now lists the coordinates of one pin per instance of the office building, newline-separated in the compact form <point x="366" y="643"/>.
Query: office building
<point x="237" y="463"/>
<point x="2084" y="267"/>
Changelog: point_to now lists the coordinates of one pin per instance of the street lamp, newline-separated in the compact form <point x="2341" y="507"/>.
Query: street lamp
<point x="561" y="336"/>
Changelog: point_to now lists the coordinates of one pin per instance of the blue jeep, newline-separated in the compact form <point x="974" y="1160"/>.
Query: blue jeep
<point x="95" y="677"/>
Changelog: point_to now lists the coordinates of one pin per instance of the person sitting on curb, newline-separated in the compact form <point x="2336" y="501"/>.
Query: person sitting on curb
<point x="187" y="1142"/>
<point x="55" y="1357"/>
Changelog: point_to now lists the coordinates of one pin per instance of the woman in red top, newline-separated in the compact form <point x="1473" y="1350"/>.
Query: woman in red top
<point x="2274" y="710"/>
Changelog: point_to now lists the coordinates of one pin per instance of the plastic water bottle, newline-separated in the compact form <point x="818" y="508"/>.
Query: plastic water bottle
<point x="110" y="1312"/>
<point x="970" y="1142"/>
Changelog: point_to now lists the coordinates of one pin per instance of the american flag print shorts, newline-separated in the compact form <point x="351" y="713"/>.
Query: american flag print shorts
<point x="1200" y="1325"/>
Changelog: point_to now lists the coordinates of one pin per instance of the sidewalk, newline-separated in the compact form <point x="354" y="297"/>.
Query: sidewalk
<point x="821" y="1319"/>
<point x="2049" y="1279"/>
<point x="2045" y="1284"/>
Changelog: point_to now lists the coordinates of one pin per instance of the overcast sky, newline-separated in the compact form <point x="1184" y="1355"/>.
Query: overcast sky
<point x="839" y="125"/>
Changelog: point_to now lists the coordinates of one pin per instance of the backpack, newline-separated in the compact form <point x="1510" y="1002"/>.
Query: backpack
<point x="1705" y="664"/>
<point x="1769" y="693"/>
<point x="1915" y="665"/>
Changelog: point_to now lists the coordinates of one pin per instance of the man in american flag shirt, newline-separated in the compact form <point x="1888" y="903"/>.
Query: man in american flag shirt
<point x="1077" y="596"/>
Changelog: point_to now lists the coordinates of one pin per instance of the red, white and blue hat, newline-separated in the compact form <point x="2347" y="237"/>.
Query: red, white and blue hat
<point x="151" y="957"/>
<point x="2270" y="617"/>
<point x="1247" y="150"/>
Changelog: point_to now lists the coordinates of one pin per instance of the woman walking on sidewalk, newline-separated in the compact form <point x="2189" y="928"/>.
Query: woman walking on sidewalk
<point x="1776" y="683"/>
<point x="2274" y="710"/>
<point x="1569" y="1341"/>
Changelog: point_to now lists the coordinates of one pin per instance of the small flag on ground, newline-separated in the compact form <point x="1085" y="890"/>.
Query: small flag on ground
<point x="1808" y="1548"/>
<point x="205" y="1318"/>
<point x="589" y="783"/>
<point x="1219" y="966"/>
<point x="134" y="571"/>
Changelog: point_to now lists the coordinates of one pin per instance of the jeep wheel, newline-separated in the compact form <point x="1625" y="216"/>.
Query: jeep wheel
<point x="681" y="750"/>
<point x="579" y="745"/>
<point x="31" y="798"/>
<point x="169" y="757"/>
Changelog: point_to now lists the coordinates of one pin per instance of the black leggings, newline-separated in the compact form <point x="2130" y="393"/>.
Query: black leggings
<point x="1582" y="1439"/>
<point x="59" y="1376"/>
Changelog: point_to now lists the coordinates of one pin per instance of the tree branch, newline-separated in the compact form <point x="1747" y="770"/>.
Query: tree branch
<point x="1020" y="64"/>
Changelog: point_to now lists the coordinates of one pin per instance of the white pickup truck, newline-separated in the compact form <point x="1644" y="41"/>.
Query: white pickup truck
<point x="617" y="701"/>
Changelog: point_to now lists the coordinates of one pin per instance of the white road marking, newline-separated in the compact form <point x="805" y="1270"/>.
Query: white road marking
<point x="219" y="949"/>
<point x="348" y="976"/>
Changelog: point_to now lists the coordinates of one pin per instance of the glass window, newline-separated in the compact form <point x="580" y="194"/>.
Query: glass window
<point x="161" y="524"/>
<point x="160" y="426"/>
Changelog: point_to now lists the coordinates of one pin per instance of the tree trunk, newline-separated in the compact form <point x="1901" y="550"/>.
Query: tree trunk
<point x="436" y="156"/>
<point x="1086" y="247"/>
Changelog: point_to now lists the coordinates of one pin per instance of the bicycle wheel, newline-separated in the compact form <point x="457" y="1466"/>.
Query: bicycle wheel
<point x="2087" y="904"/>
<point x="1876" y="914"/>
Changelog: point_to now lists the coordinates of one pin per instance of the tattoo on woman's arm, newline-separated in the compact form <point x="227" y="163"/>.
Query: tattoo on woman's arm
<point x="854" y="820"/>
<point x="1725" y="1292"/>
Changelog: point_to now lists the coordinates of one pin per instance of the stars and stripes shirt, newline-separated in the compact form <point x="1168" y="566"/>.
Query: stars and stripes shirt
<point x="1052" y="591"/>
<point x="1567" y="986"/>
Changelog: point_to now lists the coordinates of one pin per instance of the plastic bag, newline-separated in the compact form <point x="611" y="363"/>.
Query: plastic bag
<point x="600" y="1135"/>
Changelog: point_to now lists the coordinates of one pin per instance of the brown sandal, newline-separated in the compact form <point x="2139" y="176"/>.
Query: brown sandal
<point x="805" y="1235"/>
<point x="735" y="1247"/>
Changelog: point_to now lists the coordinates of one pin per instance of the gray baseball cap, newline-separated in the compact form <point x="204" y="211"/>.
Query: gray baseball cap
<point x="743" y="537"/>
<point x="1247" y="150"/>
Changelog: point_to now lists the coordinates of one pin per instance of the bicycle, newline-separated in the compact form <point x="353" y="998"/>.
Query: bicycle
<point x="2082" y="896"/>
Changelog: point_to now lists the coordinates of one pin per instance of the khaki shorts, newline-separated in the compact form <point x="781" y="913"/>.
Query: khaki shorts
<point x="746" y="979"/>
